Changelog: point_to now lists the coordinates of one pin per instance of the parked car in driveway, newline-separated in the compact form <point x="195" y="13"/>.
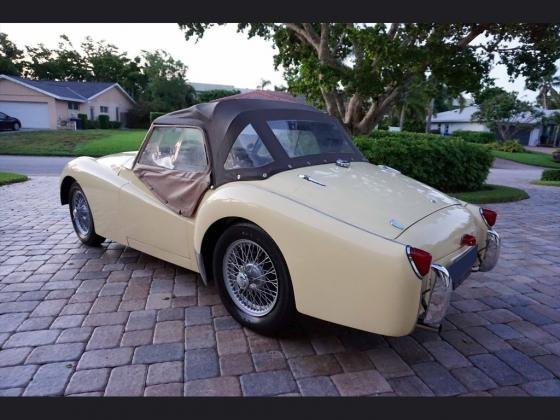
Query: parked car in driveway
<point x="271" y="200"/>
<point x="9" y="123"/>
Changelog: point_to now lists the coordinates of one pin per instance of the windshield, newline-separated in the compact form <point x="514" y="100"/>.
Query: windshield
<point x="303" y="138"/>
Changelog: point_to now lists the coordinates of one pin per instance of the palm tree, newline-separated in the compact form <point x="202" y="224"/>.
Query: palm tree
<point x="264" y="83"/>
<point x="547" y="92"/>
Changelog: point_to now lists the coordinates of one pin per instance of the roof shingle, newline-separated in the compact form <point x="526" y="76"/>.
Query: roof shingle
<point x="78" y="91"/>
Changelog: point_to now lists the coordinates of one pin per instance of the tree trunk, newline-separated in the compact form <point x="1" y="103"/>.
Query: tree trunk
<point x="429" y="117"/>
<point x="402" y="116"/>
<point x="503" y="129"/>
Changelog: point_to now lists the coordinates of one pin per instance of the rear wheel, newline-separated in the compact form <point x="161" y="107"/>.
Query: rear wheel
<point x="81" y="216"/>
<point x="253" y="279"/>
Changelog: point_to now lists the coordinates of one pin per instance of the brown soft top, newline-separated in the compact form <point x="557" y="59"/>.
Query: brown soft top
<point x="223" y="119"/>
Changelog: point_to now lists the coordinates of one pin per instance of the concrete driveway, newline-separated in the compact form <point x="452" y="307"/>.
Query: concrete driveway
<point x="33" y="165"/>
<point x="76" y="320"/>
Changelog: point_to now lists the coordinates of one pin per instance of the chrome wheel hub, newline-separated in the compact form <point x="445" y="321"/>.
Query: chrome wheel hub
<point x="242" y="280"/>
<point x="80" y="213"/>
<point x="250" y="277"/>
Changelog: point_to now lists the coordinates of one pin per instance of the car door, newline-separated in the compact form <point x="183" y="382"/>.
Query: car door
<point x="148" y="221"/>
<point x="3" y="121"/>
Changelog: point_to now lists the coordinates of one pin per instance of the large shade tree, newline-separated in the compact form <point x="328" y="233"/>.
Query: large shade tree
<point x="358" y="71"/>
<point x="11" y="57"/>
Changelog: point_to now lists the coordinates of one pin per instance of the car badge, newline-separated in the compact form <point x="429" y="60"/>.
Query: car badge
<point x="343" y="163"/>
<point x="396" y="223"/>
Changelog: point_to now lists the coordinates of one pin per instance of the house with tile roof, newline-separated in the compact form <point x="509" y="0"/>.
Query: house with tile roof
<point x="50" y="104"/>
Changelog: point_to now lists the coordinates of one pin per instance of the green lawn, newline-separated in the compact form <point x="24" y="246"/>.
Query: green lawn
<point x="492" y="194"/>
<point x="547" y="183"/>
<point x="11" y="178"/>
<point x="528" y="158"/>
<point x="70" y="143"/>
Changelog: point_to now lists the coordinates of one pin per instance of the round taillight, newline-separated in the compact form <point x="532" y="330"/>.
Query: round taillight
<point x="489" y="216"/>
<point x="420" y="260"/>
<point x="468" y="240"/>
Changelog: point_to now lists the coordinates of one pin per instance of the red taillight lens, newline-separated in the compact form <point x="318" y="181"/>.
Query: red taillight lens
<point x="489" y="216"/>
<point x="468" y="240"/>
<point x="420" y="260"/>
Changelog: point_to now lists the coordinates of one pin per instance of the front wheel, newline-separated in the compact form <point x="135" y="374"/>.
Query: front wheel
<point x="81" y="216"/>
<point x="253" y="279"/>
<point x="16" y="126"/>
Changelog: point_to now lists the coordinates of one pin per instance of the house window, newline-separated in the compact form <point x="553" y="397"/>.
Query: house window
<point x="104" y="109"/>
<point x="73" y="105"/>
<point x="117" y="115"/>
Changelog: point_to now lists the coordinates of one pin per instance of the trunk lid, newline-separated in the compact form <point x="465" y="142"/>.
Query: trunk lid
<point x="370" y="197"/>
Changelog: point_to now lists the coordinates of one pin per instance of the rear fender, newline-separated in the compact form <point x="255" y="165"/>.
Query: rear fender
<point x="339" y="272"/>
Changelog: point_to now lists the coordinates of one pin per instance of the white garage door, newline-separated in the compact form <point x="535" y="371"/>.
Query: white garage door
<point x="31" y="114"/>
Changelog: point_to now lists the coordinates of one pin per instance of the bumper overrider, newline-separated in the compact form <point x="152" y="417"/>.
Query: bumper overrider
<point x="436" y="303"/>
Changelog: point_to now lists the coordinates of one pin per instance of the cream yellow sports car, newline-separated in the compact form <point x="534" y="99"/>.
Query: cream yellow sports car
<point x="269" y="199"/>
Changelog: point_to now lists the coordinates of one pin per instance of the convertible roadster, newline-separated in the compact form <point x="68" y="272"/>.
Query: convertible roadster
<point x="270" y="199"/>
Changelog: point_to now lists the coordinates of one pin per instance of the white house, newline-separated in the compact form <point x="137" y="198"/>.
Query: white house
<point x="457" y="119"/>
<point x="52" y="104"/>
<point x="461" y="119"/>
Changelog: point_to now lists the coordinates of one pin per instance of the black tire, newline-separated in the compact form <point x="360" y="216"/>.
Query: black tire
<point x="88" y="237"/>
<point x="16" y="126"/>
<point x="284" y="309"/>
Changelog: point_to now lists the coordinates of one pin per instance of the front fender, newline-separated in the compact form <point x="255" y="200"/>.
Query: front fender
<point x="339" y="272"/>
<point x="101" y="185"/>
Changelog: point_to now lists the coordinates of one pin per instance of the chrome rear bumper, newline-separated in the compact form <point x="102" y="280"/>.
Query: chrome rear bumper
<point x="435" y="301"/>
<point x="436" y="308"/>
<point x="489" y="256"/>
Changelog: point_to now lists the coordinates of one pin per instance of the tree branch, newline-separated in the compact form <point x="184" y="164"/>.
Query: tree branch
<point x="392" y="32"/>
<point x="476" y="31"/>
<point x="303" y="35"/>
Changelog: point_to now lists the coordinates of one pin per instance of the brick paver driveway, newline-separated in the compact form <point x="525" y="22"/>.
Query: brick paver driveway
<point x="112" y="321"/>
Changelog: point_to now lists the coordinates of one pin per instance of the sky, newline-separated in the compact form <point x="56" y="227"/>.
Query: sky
<point x="223" y="56"/>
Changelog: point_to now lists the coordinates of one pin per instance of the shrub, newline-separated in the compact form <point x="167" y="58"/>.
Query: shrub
<point x="475" y="136"/>
<point x="551" y="175"/>
<point x="154" y="115"/>
<point x="556" y="155"/>
<point x="83" y="119"/>
<point x="511" y="146"/>
<point x="403" y="135"/>
<point x="448" y="164"/>
<point x="103" y="121"/>
<point x="91" y="124"/>
<point x="114" y="125"/>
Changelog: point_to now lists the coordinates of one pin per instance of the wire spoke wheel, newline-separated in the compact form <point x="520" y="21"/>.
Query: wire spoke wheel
<point x="250" y="277"/>
<point x="81" y="215"/>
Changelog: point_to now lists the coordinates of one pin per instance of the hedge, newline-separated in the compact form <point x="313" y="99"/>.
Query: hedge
<point x="551" y="175"/>
<point x="154" y="115"/>
<point x="475" y="136"/>
<point x="448" y="164"/>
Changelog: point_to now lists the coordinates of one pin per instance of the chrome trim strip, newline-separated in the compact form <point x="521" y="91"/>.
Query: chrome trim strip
<point x="308" y="178"/>
<point x="411" y="261"/>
